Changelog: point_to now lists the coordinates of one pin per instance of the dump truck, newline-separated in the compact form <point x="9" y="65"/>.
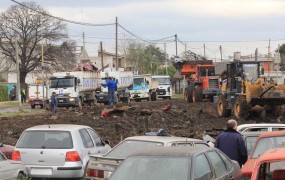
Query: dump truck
<point x="123" y="78"/>
<point x="143" y="88"/>
<point x="244" y="91"/>
<point x="202" y="82"/>
<point x="75" y="88"/>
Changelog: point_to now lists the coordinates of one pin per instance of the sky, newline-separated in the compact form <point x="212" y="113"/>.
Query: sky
<point x="235" y="25"/>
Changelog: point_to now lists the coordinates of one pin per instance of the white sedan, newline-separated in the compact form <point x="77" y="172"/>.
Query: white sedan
<point x="11" y="169"/>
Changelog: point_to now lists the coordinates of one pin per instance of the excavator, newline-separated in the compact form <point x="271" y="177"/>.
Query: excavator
<point x="244" y="90"/>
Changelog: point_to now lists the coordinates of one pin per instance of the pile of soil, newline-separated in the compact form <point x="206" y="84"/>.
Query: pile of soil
<point x="182" y="119"/>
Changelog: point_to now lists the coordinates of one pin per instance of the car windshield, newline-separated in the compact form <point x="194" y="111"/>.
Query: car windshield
<point x="162" y="81"/>
<point x="61" y="82"/>
<point x="45" y="140"/>
<point x="153" y="167"/>
<point x="265" y="144"/>
<point x="250" y="140"/>
<point x="130" y="146"/>
<point x="138" y="81"/>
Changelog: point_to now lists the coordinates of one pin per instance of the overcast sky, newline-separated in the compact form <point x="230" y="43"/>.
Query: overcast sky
<point x="236" y="25"/>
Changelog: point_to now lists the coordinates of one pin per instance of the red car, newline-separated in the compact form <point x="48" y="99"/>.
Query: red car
<point x="7" y="150"/>
<point x="270" y="165"/>
<point x="264" y="142"/>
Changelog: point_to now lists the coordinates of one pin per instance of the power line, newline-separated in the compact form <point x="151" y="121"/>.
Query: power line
<point x="62" y="19"/>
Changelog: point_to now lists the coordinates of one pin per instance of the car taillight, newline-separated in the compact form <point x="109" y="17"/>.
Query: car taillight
<point x="72" y="156"/>
<point x="16" y="156"/>
<point x="95" y="173"/>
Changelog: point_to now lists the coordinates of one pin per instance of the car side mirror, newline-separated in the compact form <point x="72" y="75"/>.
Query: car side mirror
<point x="106" y="142"/>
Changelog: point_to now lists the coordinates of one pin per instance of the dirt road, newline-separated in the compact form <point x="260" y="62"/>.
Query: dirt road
<point x="187" y="120"/>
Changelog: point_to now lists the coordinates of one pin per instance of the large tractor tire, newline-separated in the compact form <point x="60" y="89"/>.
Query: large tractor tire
<point x="222" y="106"/>
<point x="241" y="108"/>
<point x="197" y="95"/>
<point x="188" y="94"/>
<point x="153" y="96"/>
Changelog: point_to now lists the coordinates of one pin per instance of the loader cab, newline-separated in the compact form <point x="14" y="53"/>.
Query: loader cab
<point x="237" y="72"/>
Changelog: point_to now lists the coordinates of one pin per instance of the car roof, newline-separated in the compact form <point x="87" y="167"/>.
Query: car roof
<point x="164" y="139"/>
<point x="259" y="125"/>
<point x="57" y="127"/>
<point x="272" y="155"/>
<point x="252" y="133"/>
<point x="273" y="133"/>
<point x="171" y="151"/>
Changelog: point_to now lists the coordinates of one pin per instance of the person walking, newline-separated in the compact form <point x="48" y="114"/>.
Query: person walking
<point x="112" y="88"/>
<point x="23" y="95"/>
<point x="232" y="144"/>
<point x="53" y="104"/>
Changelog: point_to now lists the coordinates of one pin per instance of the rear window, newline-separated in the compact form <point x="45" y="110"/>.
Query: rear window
<point x="267" y="143"/>
<point x="45" y="140"/>
<point x="130" y="146"/>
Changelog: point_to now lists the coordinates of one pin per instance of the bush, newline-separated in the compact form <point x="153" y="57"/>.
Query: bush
<point x="3" y="93"/>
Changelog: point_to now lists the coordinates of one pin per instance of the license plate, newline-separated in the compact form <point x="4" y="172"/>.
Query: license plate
<point x="41" y="171"/>
<point x="161" y="93"/>
<point x="37" y="102"/>
<point x="60" y="100"/>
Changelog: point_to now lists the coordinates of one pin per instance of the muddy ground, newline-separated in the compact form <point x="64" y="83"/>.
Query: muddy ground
<point x="186" y="120"/>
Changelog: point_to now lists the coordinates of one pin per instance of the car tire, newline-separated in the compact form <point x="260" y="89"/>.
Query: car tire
<point x="21" y="176"/>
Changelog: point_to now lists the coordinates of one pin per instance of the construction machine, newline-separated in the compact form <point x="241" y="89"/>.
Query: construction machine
<point x="202" y="82"/>
<point x="244" y="90"/>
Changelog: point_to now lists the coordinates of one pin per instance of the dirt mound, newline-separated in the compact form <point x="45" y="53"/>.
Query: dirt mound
<point x="175" y="116"/>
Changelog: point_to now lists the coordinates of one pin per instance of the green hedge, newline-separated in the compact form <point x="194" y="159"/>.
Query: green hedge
<point x="3" y="93"/>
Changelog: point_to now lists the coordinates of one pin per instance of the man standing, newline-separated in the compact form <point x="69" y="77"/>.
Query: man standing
<point x="112" y="88"/>
<point x="53" y="104"/>
<point x="232" y="144"/>
<point x="23" y="95"/>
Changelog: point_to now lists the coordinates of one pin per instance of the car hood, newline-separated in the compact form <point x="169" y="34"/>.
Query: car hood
<point x="248" y="167"/>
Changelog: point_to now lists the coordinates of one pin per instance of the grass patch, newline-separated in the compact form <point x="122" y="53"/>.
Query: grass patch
<point x="22" y="113"/>
<point x="178" y="96"/>
<point x="8" y="104"/>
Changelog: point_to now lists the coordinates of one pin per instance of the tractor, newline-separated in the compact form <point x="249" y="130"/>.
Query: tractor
<point x="245" y="91"/>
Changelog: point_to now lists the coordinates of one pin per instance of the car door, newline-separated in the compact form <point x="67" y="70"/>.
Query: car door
<point x="202" y="168"/>
<point x="102" y="148"/>
<point x="6" y="169"/>
<point x="218" y="165"/>
<point x="89" y="147"/>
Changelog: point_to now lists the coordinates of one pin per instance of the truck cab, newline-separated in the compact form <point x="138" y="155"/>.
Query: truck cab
<point x="164" y="86"/>
<point x="143" y="88"/>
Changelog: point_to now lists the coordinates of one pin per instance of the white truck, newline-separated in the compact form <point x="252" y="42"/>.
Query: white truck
<point x="143" y="88"/>
<point x="35" y="95"/>
<point x="123" y="78"/>
<point x="164" y="86"/>
<point x="75" y="88"/>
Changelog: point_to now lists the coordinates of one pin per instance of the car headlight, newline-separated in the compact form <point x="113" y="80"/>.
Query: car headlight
<point x="71" y="99"/>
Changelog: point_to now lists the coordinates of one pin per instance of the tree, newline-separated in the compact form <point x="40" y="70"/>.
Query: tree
<point x="170" y="71"/>
<point x="281" y="50"/>
<point x="30" y="30"/>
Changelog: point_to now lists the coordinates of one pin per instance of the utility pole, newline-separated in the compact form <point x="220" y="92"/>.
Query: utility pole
<point x="101" y="47"/>
<point x="125" y="53"/>
<point x="256" y="54"/>
<point x="43" y="71"/>
<point x="84" y="58"/>
<point x="268" y="60"/>
<point x="221" y="53"/>
<point x="176" y="43"/>
<point x="166" y="62"/>
<point x="18" y="85"/>
<point x="204" y="51"/>
<point x="116" y="55"/>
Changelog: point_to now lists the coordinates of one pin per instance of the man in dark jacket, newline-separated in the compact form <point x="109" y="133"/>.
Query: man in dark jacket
<point x="232" y="144"/>
<point x="112" y="88"/>
<point x="53" y="104"/>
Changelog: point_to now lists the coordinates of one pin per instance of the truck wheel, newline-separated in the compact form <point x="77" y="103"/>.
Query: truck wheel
<point x="188" y="94"/>
<point x="33" y="106"/>
<point x="197" y="94"/>
<point x="241" y="108"/>
<point x="222" y="106"/>
<point x="153" y="96"/>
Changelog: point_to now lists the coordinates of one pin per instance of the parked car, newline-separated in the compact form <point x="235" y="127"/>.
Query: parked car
<point x="260" y="127"/>
<point x="179" y="163"/>
<point x="58" y="150"/>
<point x="101" y="167"/>
<point x="264" y="142"/>
<point x="250" y="138"/>
<point x="270" y="165"/>
<point x="7" y="150"/>
<point x="11" y="169"/>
